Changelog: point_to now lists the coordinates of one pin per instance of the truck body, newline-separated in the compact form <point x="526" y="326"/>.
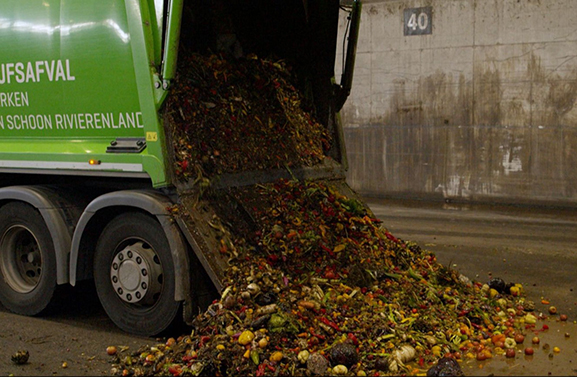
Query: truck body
<point x="87" y="177"/>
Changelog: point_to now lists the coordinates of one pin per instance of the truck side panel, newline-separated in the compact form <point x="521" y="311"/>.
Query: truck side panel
<point x="75" y="76"/>
<point x="69" y="81"/>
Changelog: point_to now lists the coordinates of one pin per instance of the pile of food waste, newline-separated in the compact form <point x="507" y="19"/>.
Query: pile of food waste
<point x="322" y="288"/>
<point x="234" y="115"/>
<point x="316" y="285"/>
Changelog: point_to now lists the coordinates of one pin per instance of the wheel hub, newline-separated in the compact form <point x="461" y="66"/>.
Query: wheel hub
<point x="20" y="259"/>
<point x="135" y="273"/>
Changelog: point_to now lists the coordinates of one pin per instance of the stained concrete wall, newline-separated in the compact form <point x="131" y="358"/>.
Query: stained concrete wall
<point x="482" y="109"/>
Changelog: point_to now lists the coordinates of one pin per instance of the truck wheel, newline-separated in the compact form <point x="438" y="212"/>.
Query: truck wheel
<point x="27" y="260"/>
<point x="134" y="275"/>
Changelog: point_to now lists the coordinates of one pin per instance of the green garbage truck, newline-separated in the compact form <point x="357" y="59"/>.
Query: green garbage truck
<point x="87" y="178"/>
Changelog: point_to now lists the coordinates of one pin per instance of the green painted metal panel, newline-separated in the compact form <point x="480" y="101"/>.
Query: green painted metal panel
<point x="79" y="73"/>
<point x="71" y="63"/>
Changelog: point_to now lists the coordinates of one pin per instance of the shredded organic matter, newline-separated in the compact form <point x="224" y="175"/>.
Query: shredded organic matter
<point x="316" y="284"/>
<point x="233" y="115"/>
<point x="321" y="277"/>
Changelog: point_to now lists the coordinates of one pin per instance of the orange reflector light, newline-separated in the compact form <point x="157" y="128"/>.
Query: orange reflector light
<point x="94" y="162"/>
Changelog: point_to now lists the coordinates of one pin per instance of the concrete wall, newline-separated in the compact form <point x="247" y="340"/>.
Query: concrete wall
<point x="481" y="109"/>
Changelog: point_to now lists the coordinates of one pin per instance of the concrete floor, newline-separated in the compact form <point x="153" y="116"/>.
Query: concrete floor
<point x="536" y="247"/>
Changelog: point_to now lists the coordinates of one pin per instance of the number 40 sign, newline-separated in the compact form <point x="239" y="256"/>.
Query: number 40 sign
<point x="418" y="21"/>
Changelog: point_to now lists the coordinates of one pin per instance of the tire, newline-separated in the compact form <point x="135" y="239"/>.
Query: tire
<point x="27" y="260"/>
<point x="134" y="275"/>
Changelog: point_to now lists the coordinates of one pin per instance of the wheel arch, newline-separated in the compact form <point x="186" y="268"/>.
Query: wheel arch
<point x="95" y="217"/>
<point x="50" y="206"/>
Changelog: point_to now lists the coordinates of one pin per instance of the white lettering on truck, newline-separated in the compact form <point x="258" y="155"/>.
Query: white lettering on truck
<point x="26" y="72"/>
<point x="28" y="122"/>
<point x="82" y="121"/>
<point x="14" y="99"/>
<point x="79" y="121"/>
<point x="39" y="70"/>
<point x="19" y="68"/>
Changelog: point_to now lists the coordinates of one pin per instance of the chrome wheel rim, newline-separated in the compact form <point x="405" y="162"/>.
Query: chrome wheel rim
<point x="136" y="274"/>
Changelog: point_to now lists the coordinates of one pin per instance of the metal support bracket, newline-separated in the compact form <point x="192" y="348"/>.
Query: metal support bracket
<point x="127" y="145"/>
